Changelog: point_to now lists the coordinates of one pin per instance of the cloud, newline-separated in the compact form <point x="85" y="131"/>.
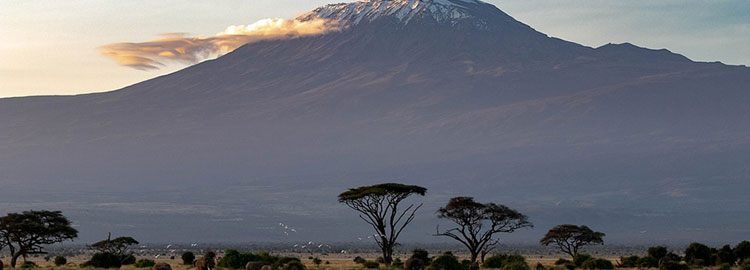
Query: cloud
<point x="182" y="48"/>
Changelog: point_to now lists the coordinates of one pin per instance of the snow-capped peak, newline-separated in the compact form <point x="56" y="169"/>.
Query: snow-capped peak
<point x="404" y="11"/>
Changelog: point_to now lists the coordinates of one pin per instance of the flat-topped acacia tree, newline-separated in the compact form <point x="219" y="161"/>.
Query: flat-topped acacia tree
<point x="378" y="205"/>
<point x="27" y="233"/>
<point x="477" y="223"/>
<point x="570" y="238"/>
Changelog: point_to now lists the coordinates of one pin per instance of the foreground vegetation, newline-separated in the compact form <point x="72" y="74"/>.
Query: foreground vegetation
<point x="476" y="227"/>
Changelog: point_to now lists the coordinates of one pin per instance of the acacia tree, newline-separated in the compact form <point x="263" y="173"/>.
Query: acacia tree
<point x="478" y="223"/>
<point x="378" y="205"/>
<point x="27" y="233"/>
<point x="115" y="246"/>
<point x="570" y="238"/>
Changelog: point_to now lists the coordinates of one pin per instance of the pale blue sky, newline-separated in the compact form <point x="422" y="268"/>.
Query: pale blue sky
<point x="50" y="47"/>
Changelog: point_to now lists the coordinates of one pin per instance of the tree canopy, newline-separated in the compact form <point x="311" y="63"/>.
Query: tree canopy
<point x="394" y="190"/>
<point x="114" y="246"/>
<point x="478" y="223"/>
<point x="570" y="238"/>
<point x="27" y="233"/>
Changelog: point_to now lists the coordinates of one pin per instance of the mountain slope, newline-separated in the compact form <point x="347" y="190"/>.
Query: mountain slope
<point x="451" y="94"/>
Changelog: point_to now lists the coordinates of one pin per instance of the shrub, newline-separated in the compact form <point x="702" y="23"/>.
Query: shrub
<point x="237" y="260"/>
<point x="745" y="265"/>
<point x="104" y="260"/>
<point x="657" y="253"/>
<point x="294" y="265"/>
<point x="60" y="260"/>
<point x="421" y="254"/>
<point x="580" y="258"/>
<point x="29" y="265"/>
<point x="698" y="254"/>
<point x="144" y="263"/>
<point x="370" y="264"/>
<point x="359" y="260"/>
<point x="540" y="266"/>
<point x="673" y="265"/>
<point x="725" y="256"/>
<point x="397" y="263"/>
<point x="188" y="258"/>
<point x="742" y="251"/>
<point x="514" y="258"/>
<point x="414" y="264"/>
<point x="447" y="261"/>
<point x="232" y="259"/>
<point x="317" y="261"/>
<point x="562" y="261"/>
<point x="495" y="261"/>
<point x="628" y="262"/>
<point x="127" y="259"/>
<point x="516" y="265"/>
<point x="648" y="262"/>
<point x="283" y="261"/>
<point x="597" y="264"/>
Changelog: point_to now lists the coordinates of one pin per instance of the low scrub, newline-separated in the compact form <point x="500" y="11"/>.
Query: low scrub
<point x="234" y="259"/>
<point x="144" y="263"/>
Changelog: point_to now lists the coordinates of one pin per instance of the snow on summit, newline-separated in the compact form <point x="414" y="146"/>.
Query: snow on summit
<point x="404" y="11"/>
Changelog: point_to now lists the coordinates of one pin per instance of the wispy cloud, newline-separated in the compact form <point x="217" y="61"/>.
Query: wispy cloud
<point x="182" y="48"/>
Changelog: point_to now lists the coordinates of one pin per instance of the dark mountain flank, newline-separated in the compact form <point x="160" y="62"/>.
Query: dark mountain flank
<point x="455" y="95"/>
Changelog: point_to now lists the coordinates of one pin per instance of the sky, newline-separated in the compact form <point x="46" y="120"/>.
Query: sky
<point x="55" y="47"/>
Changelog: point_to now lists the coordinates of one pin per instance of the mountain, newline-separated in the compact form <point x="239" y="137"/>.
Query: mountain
<point x="645" y="145"/>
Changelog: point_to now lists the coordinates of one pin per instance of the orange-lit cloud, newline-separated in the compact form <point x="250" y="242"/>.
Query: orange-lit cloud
<point x="182" y="48"/>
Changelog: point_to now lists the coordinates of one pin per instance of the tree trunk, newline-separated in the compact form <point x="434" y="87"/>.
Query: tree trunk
<point x="474" y="256"/>
<point x="14" y="259"/>
<point x="387" y="254"/>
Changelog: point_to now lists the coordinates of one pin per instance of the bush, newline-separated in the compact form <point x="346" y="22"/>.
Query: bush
<point x="673" y="265"/>
<point x="359" y="260"/>
<point x="414" y="264"/>
<point x="514" y="258"/>
<point x="516" y="265"/>
<point x="236" y="260"/>
<point x="745" y="265"/>
<point x="562" y="261"/>
<point x="317" y="261"/>
<point x="447" y="261"/>
<point x="540" y="266"/>
<point x="742" y="251"/>
<point x="294" y="265"/>
<point x="580" y="258"/>
<point x="144" y="263"/>
<point x="188" y="258"/>
<point x="597" y="264"/>
<point x="648" y="262"/>
<point x="29" y="265"/>
<point x="397" y="263"/>
<point x="127" y="259"/>
<point x="725" y="256"/>
<point x="495" y="261"/>
<point x="698" y="254"/>
<point x="370" y="264"/>
<point x="421" y="254"/>
<point x="104" y="260"/>
<point x="60" y="260"/>
<point x="657" y="253"/>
